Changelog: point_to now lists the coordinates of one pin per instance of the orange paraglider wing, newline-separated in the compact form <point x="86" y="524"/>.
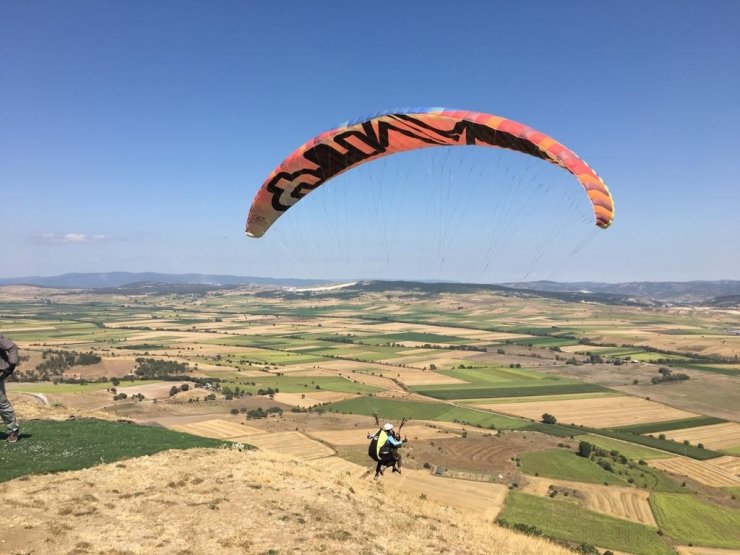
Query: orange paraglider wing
<point x="353" y="143"/>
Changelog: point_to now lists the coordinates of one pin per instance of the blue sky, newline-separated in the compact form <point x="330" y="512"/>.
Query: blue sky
<point x="133" y="135"/>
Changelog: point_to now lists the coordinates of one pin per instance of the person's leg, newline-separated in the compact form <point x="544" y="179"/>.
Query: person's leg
<point x="6" y="409"/>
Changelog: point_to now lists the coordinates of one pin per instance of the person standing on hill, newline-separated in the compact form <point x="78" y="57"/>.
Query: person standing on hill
<point x="8" y="361"/>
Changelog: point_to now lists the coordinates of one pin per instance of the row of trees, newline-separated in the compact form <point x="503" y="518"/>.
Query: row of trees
<point x="666" y="375"/>
<point x="156" y="368"/>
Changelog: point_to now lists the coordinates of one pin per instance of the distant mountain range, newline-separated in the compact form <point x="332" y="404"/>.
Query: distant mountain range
<point x="717" y="293"/>
<point x="118" y="279"/>
<point x="664" y="291"/>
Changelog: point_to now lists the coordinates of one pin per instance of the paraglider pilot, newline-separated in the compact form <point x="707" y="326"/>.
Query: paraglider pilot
<point x="383" y="448"/>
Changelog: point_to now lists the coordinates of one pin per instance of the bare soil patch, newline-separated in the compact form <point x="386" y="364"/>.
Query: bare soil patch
<point x="312" y="399"/>
<point x="479" y="453"/>
<point x="159" y="390"/>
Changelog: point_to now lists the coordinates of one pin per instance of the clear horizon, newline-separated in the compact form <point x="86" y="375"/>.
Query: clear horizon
<point x="134" y="137"/>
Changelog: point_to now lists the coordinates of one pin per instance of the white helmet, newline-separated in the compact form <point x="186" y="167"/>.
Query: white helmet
<point x="388" y="427"/>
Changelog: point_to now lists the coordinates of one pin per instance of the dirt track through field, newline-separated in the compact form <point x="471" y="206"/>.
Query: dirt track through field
<point x="626" y="503"/>
<point x="716" y="436"/>
<point x="600" y="412"/>
<point x="701" y="471"/>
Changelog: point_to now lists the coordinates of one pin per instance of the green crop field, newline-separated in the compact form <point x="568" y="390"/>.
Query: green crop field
<point x="629" y="450"/>
<point x="656" y="443"/>
<point x="55" y="446"/>
<point x="568" y="521"/>
<point x="726" y="370"/>
<point x="689" y="520"/>
<point x="302" y="384"/>
<point x="566" y="465"/>
<point x="655" y="357"/>
<point x="549" y="341"/>
<point x="413" y="336"/>
<point x="393" y="409"/>
<point x="655" y="427"/>
<point x="456" y="392"/>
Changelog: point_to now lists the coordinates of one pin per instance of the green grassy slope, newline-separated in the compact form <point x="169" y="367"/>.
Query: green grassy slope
<point x="56" y="446"/>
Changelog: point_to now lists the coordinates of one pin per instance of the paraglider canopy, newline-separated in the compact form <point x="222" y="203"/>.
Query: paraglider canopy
<point x="356" y="142"/>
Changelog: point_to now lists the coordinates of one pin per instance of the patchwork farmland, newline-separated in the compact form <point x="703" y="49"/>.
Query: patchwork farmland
<point x="305" y="375"/>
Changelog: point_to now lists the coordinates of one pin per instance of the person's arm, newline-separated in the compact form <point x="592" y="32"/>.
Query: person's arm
<point x="395" y="442"/>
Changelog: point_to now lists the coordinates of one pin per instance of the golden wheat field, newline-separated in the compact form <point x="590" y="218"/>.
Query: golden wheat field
<point x="716" y="436"/>
<point x="701" y="471"/>
<point x="217" y="428"/>
<point x="626" y="503"/>
<point x="602" y="412"/>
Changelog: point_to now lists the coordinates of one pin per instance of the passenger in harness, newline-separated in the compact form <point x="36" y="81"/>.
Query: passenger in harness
<point x="383" y="449"/>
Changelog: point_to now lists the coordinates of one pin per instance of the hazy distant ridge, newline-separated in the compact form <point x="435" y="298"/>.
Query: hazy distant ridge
<point x="666" y="291"/>
<point x="117" y="279"/>
<point x="663" y="291"/>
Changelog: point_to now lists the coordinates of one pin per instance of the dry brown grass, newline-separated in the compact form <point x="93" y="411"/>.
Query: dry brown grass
<point x="205" y="501"/>
<point x="701" y="471"/>
<point x="600" y="412"/>
<point x="28" y="407"/>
